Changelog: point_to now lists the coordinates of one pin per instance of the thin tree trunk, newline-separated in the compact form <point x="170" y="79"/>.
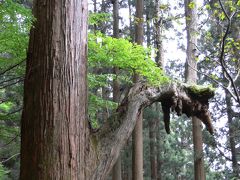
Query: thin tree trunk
<point x="232" y="136"/>
<point x="137" y="150"/>
<point x="53" y="131"/>
<point x="191" y="77"/>
<point x="131" y="34"/>
<point x="158" y="34"/>
<point x="137" y="132"/>
<point x="152" y="144"/>
<point x="116" y="173"/>
<point x="158" y="28"/>
<point x="95" y="11"/>
<point x="158" y="146"/>
<point x="151" y="122"/>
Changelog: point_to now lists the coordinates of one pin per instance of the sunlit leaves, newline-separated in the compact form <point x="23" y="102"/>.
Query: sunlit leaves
<point x="191" y="5"/>
<point x="97" y="18"/>
<point x="105" y="51"/>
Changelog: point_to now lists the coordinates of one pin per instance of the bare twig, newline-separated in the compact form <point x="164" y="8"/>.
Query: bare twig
<point x="13" y="139"/>
<point x="13" y="112"/>
<point x="11" y="67"/>
<point x="214" y="80"/>
<point x="20" y="80"/>
<point x="223" y="154"/>
<point x="221" y="58"/>
<point x="10" y="158"/>
<point x="8" y="80"/>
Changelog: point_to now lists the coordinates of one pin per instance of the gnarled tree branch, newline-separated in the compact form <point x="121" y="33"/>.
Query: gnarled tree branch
<point x="177" y="97"/>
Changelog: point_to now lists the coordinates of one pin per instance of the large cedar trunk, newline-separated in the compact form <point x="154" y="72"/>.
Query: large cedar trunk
<point x="191" y="77"/>
<point x="55" y="138"/>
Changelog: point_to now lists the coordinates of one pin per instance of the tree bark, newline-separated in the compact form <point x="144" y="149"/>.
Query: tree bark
<point x="158" y="146"/>
<point x="152" y="145"/>
<point x="117" y="170"/>
<point x="55" y="139"/>
<point x="137" y="154"/>
<point x="53" y="132"/>
<point x="232" y="136"/>
<point x="191" y="77"/>
<point x="158" y="34"/>
<point x="112" y="137"/>
<point x="131" y="33"/>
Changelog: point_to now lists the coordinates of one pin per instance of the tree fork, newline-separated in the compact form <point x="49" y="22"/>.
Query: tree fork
<point x="109" y="139"/>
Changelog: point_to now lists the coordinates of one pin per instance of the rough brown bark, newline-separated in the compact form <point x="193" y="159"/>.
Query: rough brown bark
<point x="54" y="134"/>
<point x="56" y="143"/>
<point x="191" y="77"/>
<point x="112" y="137"/>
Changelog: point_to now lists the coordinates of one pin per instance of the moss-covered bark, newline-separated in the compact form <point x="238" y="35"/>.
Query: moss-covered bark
<point x="173" y="96"/>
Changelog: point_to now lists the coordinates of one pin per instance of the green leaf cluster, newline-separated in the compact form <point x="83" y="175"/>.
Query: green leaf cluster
<point x="15" y="23"/>
<point x="98" y="18"/>
<point x="108" y="52"/>
<point x="3" y="172"/>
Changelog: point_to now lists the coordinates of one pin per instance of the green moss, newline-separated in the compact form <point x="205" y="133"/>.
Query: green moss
<point x="94" y="141"/>
<point x="201" y="91"/>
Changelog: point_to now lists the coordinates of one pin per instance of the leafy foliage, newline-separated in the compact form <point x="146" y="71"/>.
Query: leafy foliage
<point x="15" y="23"/>
<point x="108" y="52"/>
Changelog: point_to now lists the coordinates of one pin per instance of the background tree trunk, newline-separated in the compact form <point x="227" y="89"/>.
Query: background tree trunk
<point x="152" y="144"/>
<point x="158" y="34"/>
<point x="232" y="135"/>
<point x="137" y="154"/>
<point x="116" y="173"/>
<point x="54" y="135"/>
<point x="191" y="77"/>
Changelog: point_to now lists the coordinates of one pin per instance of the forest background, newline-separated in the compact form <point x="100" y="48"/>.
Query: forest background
<point x="218" y="64"/>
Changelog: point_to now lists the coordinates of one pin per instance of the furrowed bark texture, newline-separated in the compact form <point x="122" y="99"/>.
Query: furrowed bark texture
<point x="55" y="140"/>
<point x="112" y="137"/>
<point x="54" y="134"/>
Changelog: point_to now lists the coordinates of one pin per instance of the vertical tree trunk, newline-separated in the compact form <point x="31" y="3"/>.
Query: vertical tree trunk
<point x="95" y="11"/>
<point x="137" y="171"/>
<point x="137" y="155"/>
<point x="191" y="77"/>
<point x="151" y="122"/>
<point x="158" y="34"/>
<point x="131" y="33"/>
<point x="54" y="134"/>
<point x="158" y="147"/>
<point x="232" y="136"/>
<point x="152" y="144"/>
<point x="160" y="61"/>
<point x="117" y="170"/>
